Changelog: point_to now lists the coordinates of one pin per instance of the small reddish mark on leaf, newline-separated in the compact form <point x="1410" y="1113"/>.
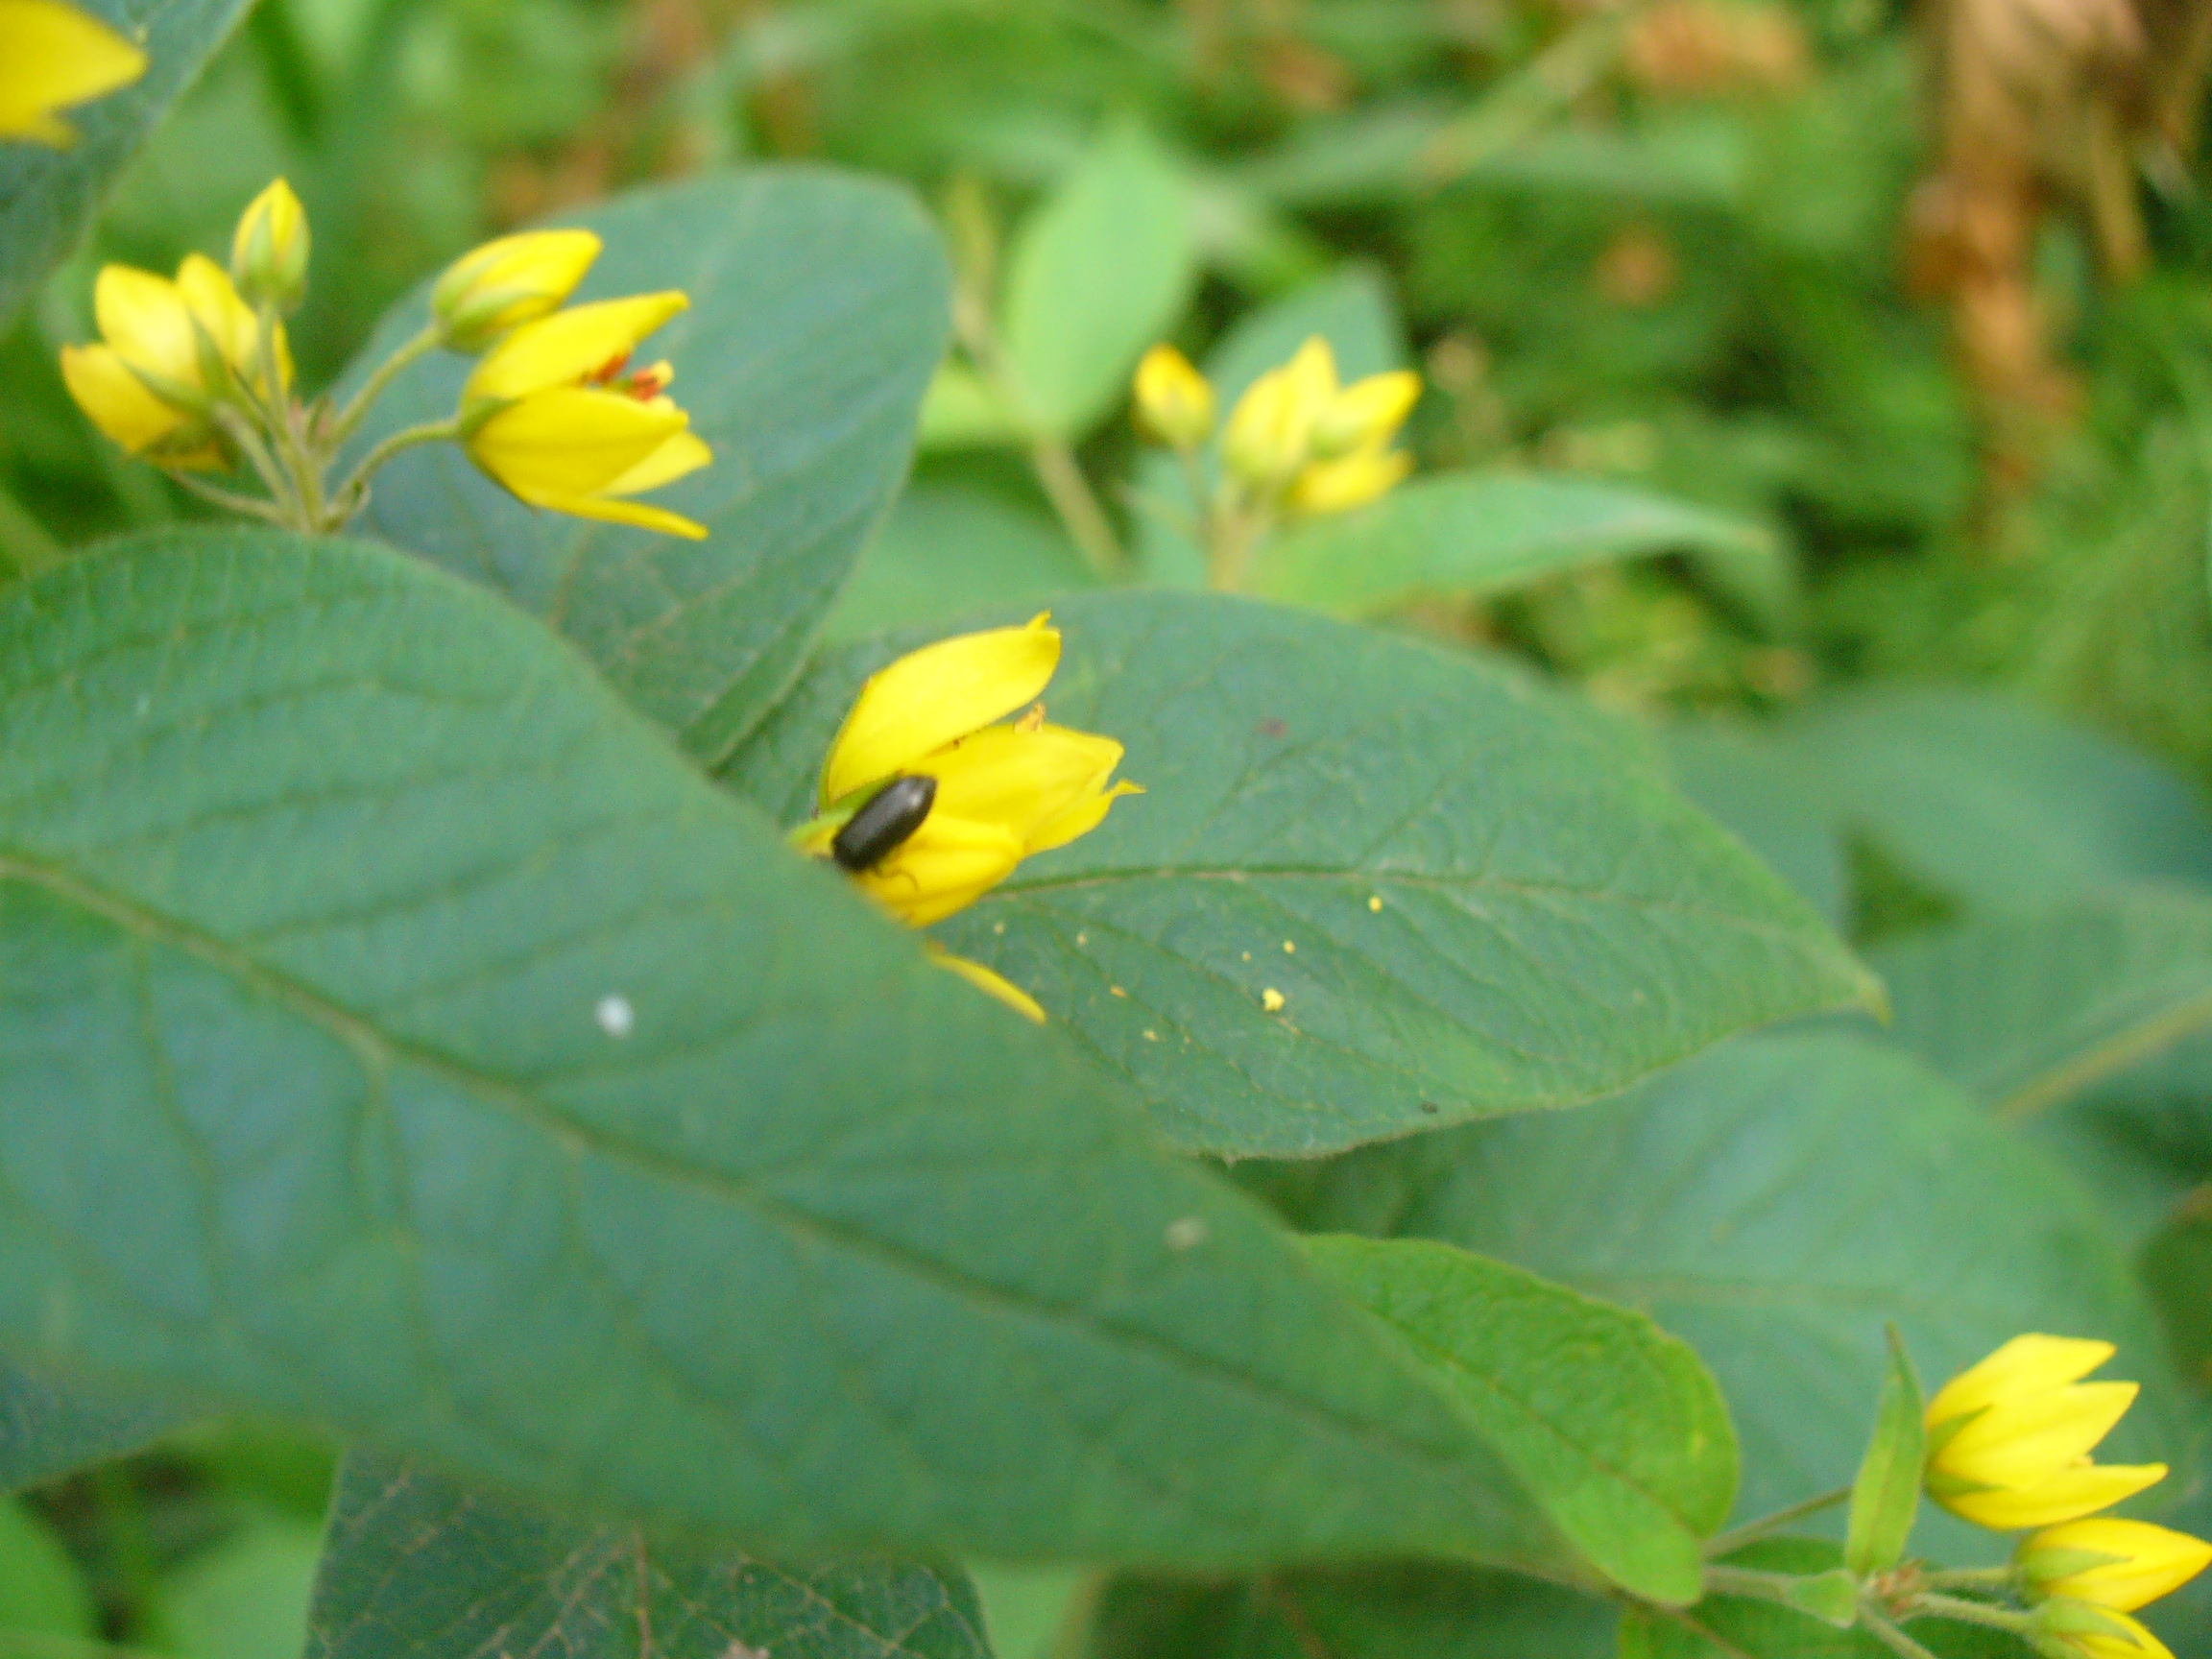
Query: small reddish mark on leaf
<point x="1273" y="728"/>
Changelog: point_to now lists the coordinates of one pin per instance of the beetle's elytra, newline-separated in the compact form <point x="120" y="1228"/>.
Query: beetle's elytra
<point x="884" y="823"/>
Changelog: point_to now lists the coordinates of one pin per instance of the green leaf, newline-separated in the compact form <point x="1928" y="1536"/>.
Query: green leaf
<point x="1467" y="901"/>
<point x="1365" y="1613"/>
<point x="448" y="1063"/>
<point x="1994" y="803"/>
<point x="2029" y="1010"/>
<point x="1351" y="309"/>
<point x="818" y="309"/>
<point x="245" y="1599"/>
<point x="1774" y="1203"/>
<point x="423" y="1567"/>
<point x="948" y="551"/>
<point x="49" y="1427"/>
<point x="1741" y="778"/>
<point x="1029" y="1612"/>
<point x="48" y="196"/>
<point x="1616" y="1429"/>
<point x="1097" y="274"/>
<point x="1477" y="534"/>
<point x="1885" y="1496"/>
<point x="42" y="1590"/>
<point x="2177" y="1266"/>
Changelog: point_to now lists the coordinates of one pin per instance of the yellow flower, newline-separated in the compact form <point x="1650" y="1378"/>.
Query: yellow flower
<point x="50" y="57"/>
<point x="2118" y="1564"/>
<point x="1270" y="431"/>
<point x="1320" y="447"/>
<point x="2010" y="1438"/>
<point x="554" y="413"/>
<point x="1174" y="401"/>
<point x="2065" y="1626"/>
<point x="1002" y="790"/>
<point x="269" y="250"/>
<point x="506" y="283"/>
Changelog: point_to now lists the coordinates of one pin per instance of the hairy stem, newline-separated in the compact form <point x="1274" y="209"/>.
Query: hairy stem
<point x="1735" y="1538"/>
<point x="373" y="388"/>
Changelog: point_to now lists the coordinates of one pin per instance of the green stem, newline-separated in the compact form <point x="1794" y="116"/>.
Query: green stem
<point x="1077" y="504"/>
<point x="1967" y="1611"/>
<point x="373" y="388"/>
<point x="229" y="500"/>
<point x="240" y="431"/>
<point x="24" y="541"/>
<point x="1751" y="1532"/>
<point x="348" y="498"/>
<point x="1969" y="1578"/>
<point x="1516" y="106"/>
<point x="304" y="465"/>
<point x="1891" y="1637"/>
<point x="130" y="1541"/>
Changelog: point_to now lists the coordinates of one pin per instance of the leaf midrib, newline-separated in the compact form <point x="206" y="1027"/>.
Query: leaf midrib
<point x="377" y="1050"/>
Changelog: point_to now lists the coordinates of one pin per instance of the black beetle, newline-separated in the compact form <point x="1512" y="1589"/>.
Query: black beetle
<point x="884" y="822"/>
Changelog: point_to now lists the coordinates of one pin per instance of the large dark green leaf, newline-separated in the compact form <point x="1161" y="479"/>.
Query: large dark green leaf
<point x="1997" y="803"/>
<point x="418" y="1566"/>
<point x="1776" y="1202"/>
<point x="398" y="1034"/>
<point x="1466" y="902"/>
<point x="1753" y="788"/>
<point x="48" y="1427"/>
<point x="1615" y="1427"/>
<point x="2028" y="1010"/>
<point x="1475" y="534"/>
<point x="47" y="197"/>
<point x="818" y="308"/>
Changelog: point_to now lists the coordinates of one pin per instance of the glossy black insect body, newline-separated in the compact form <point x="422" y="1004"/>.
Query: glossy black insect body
<point x="884" y="822"/>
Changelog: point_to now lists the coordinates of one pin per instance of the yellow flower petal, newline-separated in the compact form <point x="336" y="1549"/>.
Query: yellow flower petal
<point x="144" y="318"/>
<point x="269" y="249"/>
<point x="992" y="984"/>
<point x="2017" y="1443"/>
<point x="1079" y="819"/>
<point x="2083" y="1489"/>
<point x="934" y="696"/>
<point x="214" y="304"/>
<point x="1021" y="777"/>
<point x="506" y="283"/>
<point x="944" y="866"/>
<point x="567" y="346"/>
<point x="2150" y="1561"/>
<point x="52" y="57"/>
<point x="1269" y="435"/>
<point x="1366" y="414"/>
<point x="683" y="453"/>
<point x="115" y="401"/>
<point x="1353" y="481"/>
<point x="571" y="442"/>
<point x="2028" y="1364"/>
<point x="2137" y="1643"/>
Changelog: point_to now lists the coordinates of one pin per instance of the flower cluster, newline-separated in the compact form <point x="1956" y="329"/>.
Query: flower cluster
<point x="2009" y="1448"/>
<point x="1298" y="441"/>
<point x="194" y="373"/>
<point x="52" y="57"/>
<point x="931" y="796"/>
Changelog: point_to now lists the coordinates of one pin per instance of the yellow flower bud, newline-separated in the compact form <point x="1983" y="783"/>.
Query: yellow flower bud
<point x="1174" y="401"/>
<point x="150" y="381"/>
<point x="1270" y="432"/>
<point x="1352" y="481"/>
<point x="1366" y="414"/>
<point x="2111" y="1563"/>
<point x="2010" y="1438"/>
<point x="2082" y="1631"/>
<point x="506" y="283"/>
<point x="1003" y="792"/>
<point x="269" y="250"/>
<point x="52" y="56"/>
<point x="990" y="983"/>
<point x="553" y="413"/>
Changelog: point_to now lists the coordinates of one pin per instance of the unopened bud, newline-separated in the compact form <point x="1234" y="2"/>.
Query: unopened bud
<point x="1174" y="401"/>
<point x="496" y="288"/>
<point x="269" y="252"/>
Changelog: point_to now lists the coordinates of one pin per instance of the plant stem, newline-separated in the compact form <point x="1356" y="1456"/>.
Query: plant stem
<point x="1727" y="1543"/>
<point x="1968" y="1612"/>
<point x="24" y="541"/>
<point x="373" y="388"/>
<point x="1891" y="1637"/>
<point x="1968" y="1578"/>
<point x="283" y="415"/>
<point x="229" y="500"/>
<point x="349" y="496"/>
<point x="1077" y="504"/>
<point x="240" y="431"/>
